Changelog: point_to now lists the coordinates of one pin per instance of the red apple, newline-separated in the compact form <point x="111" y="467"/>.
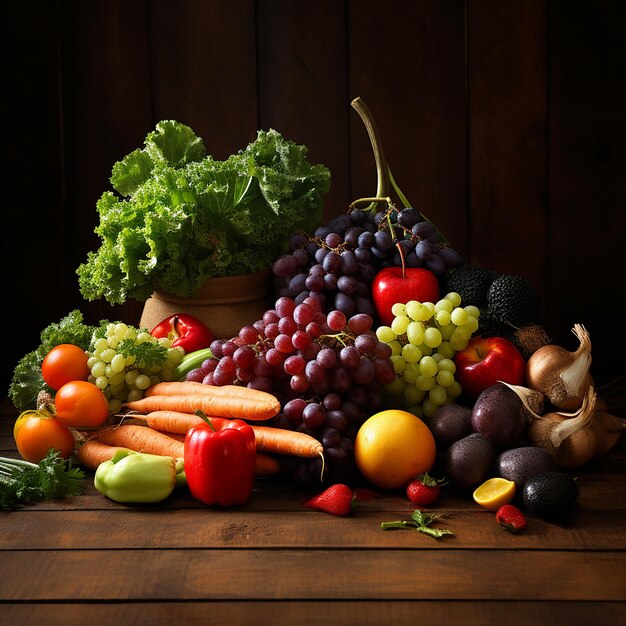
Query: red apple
<point x="487" y="360"/>
<point x="392" y="285"/>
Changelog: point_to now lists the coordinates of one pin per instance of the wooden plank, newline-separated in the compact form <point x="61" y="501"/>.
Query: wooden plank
<point x="507" y="78"/>
<point x="303" y="84"/>
<point x="587" y="164"/>
<point x="107" y="114"/>
<point x="407" y="62"/>
<point x="141" y="575"/>
<point x="312" y="613"/>
<point x="213" y="528"/>
<point x="33" y="170"/>
<point x="203" y="68"/>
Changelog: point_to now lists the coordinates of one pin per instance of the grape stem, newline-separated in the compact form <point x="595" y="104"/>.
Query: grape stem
<point x="340" y="336"/>
<point x="382" y="169"/>
<point x="385" y="178"/>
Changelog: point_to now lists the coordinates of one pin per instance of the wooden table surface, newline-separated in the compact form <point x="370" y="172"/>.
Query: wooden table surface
<point x="88" y="560"/>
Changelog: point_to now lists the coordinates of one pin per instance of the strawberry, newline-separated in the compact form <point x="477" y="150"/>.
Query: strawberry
<point x="424" y="490"/>
<point x="338" y="499"/>
<point x="511" y="518"/>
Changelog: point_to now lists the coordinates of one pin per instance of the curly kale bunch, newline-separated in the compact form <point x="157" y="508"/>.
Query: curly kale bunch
<point x="27" y="380"/>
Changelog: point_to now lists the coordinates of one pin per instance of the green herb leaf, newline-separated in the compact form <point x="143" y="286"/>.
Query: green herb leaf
<point x="23" y="483"/>
<point x="420" y="521"/>
<point x="147" y="354"/>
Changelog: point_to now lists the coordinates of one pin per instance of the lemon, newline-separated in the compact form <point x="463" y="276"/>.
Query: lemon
<point x="494" y="493"/>
<point x="393" y="446"/>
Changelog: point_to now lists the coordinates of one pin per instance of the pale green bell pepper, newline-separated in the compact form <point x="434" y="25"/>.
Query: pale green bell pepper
<point x="137" y="477"/>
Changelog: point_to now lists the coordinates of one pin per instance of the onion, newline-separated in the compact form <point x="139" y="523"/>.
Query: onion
<point x="560" y="375"/>
<point x="608" y="428"/>
<point x="572" y="441"/>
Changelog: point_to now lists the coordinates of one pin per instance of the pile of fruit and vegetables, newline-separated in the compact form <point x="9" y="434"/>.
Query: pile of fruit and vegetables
<point x="384" y="359"/>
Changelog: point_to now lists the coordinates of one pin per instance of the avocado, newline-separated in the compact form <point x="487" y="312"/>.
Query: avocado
<point x="451" y="422"/>
<point x="550" y="494"/>
<point x="468" y="461"/>
<point x="521" y="464"/>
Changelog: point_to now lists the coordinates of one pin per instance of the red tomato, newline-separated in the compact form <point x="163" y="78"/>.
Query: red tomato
<point x="38" y="433"/>
<point x="80" y="404"/>
<point x="64" y="363"/>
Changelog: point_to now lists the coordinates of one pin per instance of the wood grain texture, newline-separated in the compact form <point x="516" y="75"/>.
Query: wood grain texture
<point x="303" y="78"/>
<point x="502" y="121"/>
<point x="203" y="67"/>
<point x="107" y="112"/>
<point x="34" y="175"/>
<point x="312" y="613"/>
<point x="507" y="73"/>
<point x="587" y="161"/>
<point x="408" y="65"/>
<point x="296" y="528"/>
<point x="79" y="575"/>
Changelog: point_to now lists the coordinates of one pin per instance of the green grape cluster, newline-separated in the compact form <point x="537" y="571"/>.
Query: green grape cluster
<point x="424" y="337"/>
<point x="125" y="361"/>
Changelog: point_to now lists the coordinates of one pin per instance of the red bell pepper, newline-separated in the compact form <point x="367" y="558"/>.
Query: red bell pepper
<point x="187" y="331"/>
<point x="220" y="461"/>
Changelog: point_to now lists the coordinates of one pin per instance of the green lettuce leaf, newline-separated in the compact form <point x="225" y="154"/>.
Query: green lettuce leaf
<point x="184" y="217"/>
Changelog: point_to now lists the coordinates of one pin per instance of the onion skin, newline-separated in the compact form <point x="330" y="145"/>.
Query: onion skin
<point x="608" y="429"/>
<point x="571" y="441"/>
<point x="560" y="375"/>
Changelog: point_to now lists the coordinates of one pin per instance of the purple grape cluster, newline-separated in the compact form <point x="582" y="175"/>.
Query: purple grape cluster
<point x="327" y="370"/>
<point x="337" y="264"/>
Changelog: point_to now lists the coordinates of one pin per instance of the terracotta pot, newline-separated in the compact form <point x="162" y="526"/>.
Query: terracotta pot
<point x="224" y="304"/>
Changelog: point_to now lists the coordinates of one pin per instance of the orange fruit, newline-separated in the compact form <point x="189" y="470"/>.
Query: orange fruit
<point x="494" y="493"/>
<point x="392" y="447"/>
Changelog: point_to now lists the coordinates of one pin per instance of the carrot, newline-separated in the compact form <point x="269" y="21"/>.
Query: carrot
<point x="141" y="439"/>
<point x="266" y="464"/>
<point x="189" y="387"/>
<point x="93" y="452"/>
<point x="176" y="436"/>
<point x="218" y="405"/>
<point x="268" y="439"/>
<point x="171" y="421"/>
<point x="282" y="441"/>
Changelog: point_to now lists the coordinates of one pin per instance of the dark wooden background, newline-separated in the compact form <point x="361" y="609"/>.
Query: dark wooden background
<point x="503" y="120"/>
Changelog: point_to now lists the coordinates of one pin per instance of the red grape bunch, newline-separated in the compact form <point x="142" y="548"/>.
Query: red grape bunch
<point x="337" y="264"/>
<point x="327" y="370"/>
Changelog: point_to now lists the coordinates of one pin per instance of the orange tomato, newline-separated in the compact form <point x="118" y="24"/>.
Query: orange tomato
<point x="38" y="433"/>
<point x="64" y="363"/>
<point x="80" y="404"/>
<point x="392" y="447"/>
<point x="23" y="417"/>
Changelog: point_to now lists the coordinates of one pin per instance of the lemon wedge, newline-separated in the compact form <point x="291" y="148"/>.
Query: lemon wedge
<point x="494" y="493"/>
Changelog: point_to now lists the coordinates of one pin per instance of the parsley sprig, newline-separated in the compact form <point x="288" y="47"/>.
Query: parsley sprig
<point x="421" y="522"/>
<point x="147" y="353"/>
<point x="22" y="482"/>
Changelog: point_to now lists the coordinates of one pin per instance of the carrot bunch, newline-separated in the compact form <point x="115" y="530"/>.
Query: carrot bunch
<point x="162" y="418"/>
